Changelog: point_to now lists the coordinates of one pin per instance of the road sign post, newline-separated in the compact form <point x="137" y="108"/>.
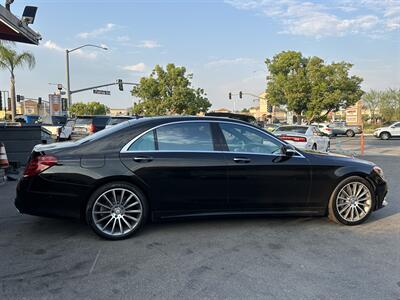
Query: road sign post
<point x="102" y="92"/>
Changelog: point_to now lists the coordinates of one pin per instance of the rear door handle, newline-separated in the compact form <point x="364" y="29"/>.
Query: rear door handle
<point x="241" y="160"/>
<point x="143" y="159"/>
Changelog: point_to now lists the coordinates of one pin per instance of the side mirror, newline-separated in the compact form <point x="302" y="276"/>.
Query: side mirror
<point x="287" y="151"/>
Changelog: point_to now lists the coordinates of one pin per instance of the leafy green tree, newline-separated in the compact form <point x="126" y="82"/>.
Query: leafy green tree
<point x="10" y="60"/>
<point x="168" y="92"/>
<point x="90" y="108"/>
<point x="372" y="100"/>
<point x="389" y="105"/>
<point x="78" y="109"/>
<point x="309" y="87"/>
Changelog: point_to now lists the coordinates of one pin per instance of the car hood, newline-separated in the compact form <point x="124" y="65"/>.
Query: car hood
<point x="337" y="157"/>
<point x="381" y="128"/>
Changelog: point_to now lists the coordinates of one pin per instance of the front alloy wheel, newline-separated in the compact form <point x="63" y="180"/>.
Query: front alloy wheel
<point x="352" y="201"/>
<point x="116" y="211"/>
<point x="385" y="136"/>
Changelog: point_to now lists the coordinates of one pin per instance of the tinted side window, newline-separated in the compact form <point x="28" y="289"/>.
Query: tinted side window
<point x="145" y="143"/>
<point x="100" y="121"/>
<point x="245" y="139"/>
<point x="188" y="136"/>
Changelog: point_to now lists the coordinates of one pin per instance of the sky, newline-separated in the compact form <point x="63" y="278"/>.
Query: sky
<point x="224" y="44"/>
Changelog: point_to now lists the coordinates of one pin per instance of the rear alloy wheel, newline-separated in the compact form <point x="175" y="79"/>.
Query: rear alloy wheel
<point x="385" y="136"/>
<point x="116" y="211"/>
<point x="350" y="133"/>
<point x="352" y="201"/>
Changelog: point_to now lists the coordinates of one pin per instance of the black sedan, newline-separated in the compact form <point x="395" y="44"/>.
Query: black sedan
<point x="175" y="167"/>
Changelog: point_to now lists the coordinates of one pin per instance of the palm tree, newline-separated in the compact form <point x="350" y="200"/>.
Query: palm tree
<point x="10" y="60"/>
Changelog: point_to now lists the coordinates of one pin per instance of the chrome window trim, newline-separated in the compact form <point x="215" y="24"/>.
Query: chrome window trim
<point x="126" y="147"/>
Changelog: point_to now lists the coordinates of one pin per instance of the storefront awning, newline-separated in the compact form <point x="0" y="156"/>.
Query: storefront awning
<point x="12" y="29"/>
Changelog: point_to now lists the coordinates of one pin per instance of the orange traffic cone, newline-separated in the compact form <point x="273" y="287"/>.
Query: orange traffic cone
<point x="3" y="157"/>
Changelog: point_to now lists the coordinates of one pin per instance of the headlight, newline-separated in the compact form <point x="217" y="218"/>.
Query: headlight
<point x="379" y="171"/>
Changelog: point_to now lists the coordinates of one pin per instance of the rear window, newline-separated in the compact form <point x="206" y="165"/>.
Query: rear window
<point x="83" y="121"/>
<point x="59" y="120"/>
<point x="297" y="129"/>
<point x="100" y="121"/>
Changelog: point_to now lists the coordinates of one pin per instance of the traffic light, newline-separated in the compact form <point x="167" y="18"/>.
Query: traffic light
<point x="240" y="95"/>
<point x="120" y="85"/>
<point x="1" y="100"/>
<point x="230" y="96"/>
<point x="269" y="108"/>
<point x="18" y="98"/>
<point x="39" y="100"/>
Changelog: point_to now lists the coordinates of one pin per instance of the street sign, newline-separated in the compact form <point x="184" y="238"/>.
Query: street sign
<point x="102" y="92"/>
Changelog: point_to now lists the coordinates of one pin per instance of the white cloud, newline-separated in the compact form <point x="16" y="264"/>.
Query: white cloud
<point x="50" y="45"/>
<point x="149" y="44"/>
<point x="97" y="32"/>
<point x="140" y="67"/>
<point x="320" y="19"/>
<point x="234" y="61"/>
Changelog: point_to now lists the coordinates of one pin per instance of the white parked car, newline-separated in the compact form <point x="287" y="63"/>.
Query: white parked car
<point x="385" y="133"/>
<point x="306" y="137"/>
<point x="324" y="128"/>
<point x="59" y="127"/>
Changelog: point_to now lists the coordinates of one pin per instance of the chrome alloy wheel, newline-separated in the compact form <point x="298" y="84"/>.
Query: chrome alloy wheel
<point x="354" y="201"/>
<point x="117" y="211"/>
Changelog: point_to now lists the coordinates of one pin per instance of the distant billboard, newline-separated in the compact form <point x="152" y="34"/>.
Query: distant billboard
<point x="55" y="105"/>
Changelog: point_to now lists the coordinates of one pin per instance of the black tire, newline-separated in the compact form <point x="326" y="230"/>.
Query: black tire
<point x="314" y="147"/>
<point x="350" y="133"/>
<point x="139" y="196"/>
<point x="385" y="136"/>
<point x="333" y="213"/>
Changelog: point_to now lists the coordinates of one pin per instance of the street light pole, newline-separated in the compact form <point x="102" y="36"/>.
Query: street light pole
<point x="68" y="80"/>
<point x="67" y="52"/>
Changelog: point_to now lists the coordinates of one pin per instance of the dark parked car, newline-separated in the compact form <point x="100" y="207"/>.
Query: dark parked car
<point x="162" y="168"/>
<point x="85" y="125"/>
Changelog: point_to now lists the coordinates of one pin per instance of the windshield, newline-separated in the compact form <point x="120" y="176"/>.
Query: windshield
<point x="83" y="121"/>
<point x="115" y="121"/>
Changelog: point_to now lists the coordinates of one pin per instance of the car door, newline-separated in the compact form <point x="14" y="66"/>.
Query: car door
<point x="396" y="129"/>
<point x="180" y="166"/>
<point x="260" y="177"/>
<point x="320" y="139"/>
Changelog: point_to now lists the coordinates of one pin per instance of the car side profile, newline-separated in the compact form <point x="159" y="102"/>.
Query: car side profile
<point x="179" y="167"/>
<point x="305" y="137"/>
<point x="387" y="132"/>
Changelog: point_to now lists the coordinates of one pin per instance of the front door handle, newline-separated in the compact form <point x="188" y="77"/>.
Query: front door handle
<point x="143" y="159"/>
<point x="242" y="160"/>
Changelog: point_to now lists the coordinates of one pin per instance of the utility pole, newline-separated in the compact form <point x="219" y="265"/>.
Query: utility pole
<point x="68" y="78"/>
<point x="67" y="52"/>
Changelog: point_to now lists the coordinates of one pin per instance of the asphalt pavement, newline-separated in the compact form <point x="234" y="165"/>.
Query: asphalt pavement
<point x="235" y="258"/>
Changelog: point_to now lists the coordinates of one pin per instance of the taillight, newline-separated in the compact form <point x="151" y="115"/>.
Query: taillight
<point x="91" y="128"/>
<point x="328" y="129"/>
<point x="293" y="138"/>
<point x="38" y="164"/>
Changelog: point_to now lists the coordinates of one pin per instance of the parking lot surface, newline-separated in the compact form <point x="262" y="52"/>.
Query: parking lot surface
<point x="236" y="258"/>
